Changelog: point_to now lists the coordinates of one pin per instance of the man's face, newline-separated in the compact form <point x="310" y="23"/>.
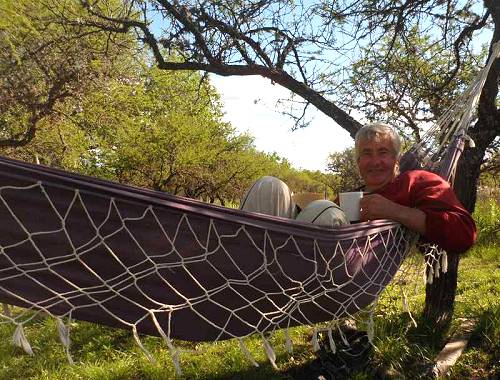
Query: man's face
<point x="377" y="162"/>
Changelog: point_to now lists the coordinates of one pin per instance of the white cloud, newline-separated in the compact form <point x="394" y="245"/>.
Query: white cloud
<point x="250" y="105"/>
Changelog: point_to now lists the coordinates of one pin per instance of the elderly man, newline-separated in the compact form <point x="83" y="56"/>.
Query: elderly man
<point x="420" y="200"/>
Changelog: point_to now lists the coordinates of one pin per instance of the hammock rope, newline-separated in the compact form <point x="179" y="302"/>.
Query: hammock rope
<point x="82" y="248"/>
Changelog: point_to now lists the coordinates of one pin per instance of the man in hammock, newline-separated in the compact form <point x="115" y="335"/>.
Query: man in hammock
<point x="420" y="200"/>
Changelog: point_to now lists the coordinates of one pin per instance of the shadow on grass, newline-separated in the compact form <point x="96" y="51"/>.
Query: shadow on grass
<point x="400" y="349"/>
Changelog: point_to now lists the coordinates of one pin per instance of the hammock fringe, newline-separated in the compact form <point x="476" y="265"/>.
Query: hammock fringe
<point x="247" y="353"/>
<point x="142" y="347"/>
<point x="288" y="341"/>
<point x="19" y="339"/>
<point x="314" y="341"/>
<point x="271" y="355"/>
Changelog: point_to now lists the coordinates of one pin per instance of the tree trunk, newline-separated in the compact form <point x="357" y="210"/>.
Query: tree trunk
<point x="440" y="295"/>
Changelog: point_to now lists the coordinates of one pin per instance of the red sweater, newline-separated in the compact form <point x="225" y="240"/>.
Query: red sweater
<point x="447" y="222"/>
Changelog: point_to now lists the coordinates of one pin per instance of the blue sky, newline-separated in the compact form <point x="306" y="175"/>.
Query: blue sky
<point x="250" y="105"/>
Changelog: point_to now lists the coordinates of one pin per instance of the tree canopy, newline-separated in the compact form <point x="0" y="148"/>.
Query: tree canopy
<point x="43" y="63"/>
<point x="398" y="61"/>
<point x="305" y="46"/>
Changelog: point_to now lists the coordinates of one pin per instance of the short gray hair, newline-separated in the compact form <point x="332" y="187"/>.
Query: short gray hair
<point x="376" y="131"/>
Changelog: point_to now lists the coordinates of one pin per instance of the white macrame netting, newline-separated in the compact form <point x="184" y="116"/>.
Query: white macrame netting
<point x="256" y="294"/>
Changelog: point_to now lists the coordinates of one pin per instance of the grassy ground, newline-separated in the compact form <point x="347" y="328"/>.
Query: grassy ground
<point x="401" y="349"/>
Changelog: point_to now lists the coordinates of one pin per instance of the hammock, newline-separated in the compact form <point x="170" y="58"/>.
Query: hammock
<point x="103" y="252"/>
<point x="83" y="248"/>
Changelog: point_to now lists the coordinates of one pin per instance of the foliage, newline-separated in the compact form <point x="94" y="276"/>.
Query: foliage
<point x="43" y="63"/>
<point x="411" y="87"/>
<point x="164" y="131"/>
<point x="344" y="166"/>
<point x="489" y="181"/>
<point x="487" y="218"/>
<point x="156" y="129"/>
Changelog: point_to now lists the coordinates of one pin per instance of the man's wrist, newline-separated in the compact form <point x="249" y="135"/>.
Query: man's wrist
<point x="413" y="218"/>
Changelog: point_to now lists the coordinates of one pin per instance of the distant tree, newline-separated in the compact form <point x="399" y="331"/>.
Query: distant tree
<point x="299" y="180"/>
<point x="56" y="143"/>
<point x="43" y="63"/>
<point x="343" y="166"/>
<point x="164" y="130"/>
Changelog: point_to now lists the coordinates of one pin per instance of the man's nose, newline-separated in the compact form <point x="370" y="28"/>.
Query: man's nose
<point x="376" y="159"/>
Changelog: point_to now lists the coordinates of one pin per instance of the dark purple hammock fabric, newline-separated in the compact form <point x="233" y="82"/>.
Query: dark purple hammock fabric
<point x="98" y="251"/>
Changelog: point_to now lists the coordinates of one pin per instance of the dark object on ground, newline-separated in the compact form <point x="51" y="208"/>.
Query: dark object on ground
<point x="345" y="362"/>
<point x="347" y="359"/>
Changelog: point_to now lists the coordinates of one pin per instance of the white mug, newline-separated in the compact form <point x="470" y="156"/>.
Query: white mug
<point x="349" y="203"/>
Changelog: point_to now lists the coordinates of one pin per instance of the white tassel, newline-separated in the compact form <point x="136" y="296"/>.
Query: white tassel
<point x="412" y="319"/>
<point x="470" y="141"/>
<point x="314" y="341"/>
<point x="20" y="340"/>
<point x="430" y="275"/>
<point x="437" y="268"/>
<point x="288" y="342"/>
<point x="177" y="362"/>
<point x="174" y="353"/>
<point x="6" y="310"/>
<point x="406" y="308"/>
<point x="331" y="341"/>
<point x="247" y="353"/>
<point x="342" y="336"/>
<point x="444" y="262"/>
<point x="144" y="349"/>
<point x="370" y="330"/>
<point x="63" y="331"/>
<point x="270" y="353"/>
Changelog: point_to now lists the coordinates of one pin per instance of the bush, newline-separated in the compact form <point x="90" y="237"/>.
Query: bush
<point x="487" y="218"/>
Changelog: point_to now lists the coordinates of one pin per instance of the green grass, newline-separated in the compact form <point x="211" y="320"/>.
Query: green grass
<point x="400" y="347"/>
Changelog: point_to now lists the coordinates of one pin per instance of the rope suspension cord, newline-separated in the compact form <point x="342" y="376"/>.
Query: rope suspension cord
<point x="453" y="124"/>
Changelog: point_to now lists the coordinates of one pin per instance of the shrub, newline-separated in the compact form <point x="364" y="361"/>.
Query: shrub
<point x="487" y="218"/>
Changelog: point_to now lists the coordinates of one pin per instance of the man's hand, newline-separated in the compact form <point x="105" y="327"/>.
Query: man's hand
<point x="375" y="206"/>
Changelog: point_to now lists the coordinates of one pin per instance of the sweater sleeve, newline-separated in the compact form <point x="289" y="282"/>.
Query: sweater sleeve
<point x="447" y="222"/>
